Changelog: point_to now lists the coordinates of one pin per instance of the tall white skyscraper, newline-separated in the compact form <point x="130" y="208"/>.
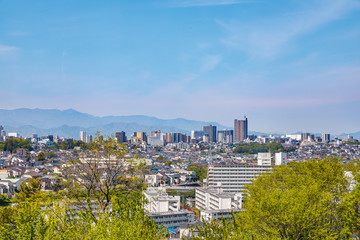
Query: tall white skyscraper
<point x="83" y="136"/>
<point x="325" y="137"/>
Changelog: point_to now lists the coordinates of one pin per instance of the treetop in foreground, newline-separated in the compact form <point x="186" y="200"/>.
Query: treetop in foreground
<point x="304" y="200"/>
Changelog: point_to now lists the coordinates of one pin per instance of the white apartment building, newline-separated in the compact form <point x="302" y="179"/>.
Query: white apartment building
<point x="13" y="134"/>
<point x="233" y="178"/>
<point x="264" y="159"/>
<point x="210" y="215"/>
<point x="173" y="219"/>
<point x="280" y="158"/>
<point x="153" y="180"/>
<point x="216" y="199"/>
<point x="156" y="140"/>
<point x="160" y="201"/>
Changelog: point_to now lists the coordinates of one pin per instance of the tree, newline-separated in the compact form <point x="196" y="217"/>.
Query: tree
<point x="40" y="157"/>
<point x="13" y="144"/>
<point x="304" y="200"/>
<point x="102" y="172"/>
<point x="200" y="170"/>
<point x="274" y="147"/>
<point x="29" y="190"/>
<point x="4" y="200"/>
<point x="34" y="220"/>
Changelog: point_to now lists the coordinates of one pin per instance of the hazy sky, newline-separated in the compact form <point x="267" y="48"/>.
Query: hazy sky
<point x="288" y="65"/>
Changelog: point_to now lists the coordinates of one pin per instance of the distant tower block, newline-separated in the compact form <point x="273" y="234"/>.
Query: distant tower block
<point x="240" y="130"/>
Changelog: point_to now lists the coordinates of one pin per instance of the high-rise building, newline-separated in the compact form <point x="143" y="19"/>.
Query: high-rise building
<point x="240" y="130"/>
<point x="153" y="133"/>
<point x="139" y="137"/>
<point x="197" y="135"/>
<point x="120" y="137"/>
<point x="305" y="136"/>
<point x="225" y="136"/>
<point x="210" y="131"/>
<point x="325" y="137"/>
<point x="88" y="138"/>
<point x="83" y="136"/>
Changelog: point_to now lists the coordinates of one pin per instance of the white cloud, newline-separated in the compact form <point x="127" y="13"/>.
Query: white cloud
<point x="7" y="49"/>
<point x="269" y="38"/>
<point x="209" y="62"/>
<point x="206" y="3"/>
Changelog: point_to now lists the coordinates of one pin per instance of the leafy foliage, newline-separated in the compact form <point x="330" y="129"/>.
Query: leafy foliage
<point x="201" y="171"/>
<point x="12" y="144"/>
<point x="69" y="144"/>
<point x="254" y="147"/>
<point x="29" y="190"/>
<point x="102" y="172"/>
<point x="40" y="157"/>
<point x="32" y="220"/>
<point x="305" y="200"/>
<point x="4" y="200"/>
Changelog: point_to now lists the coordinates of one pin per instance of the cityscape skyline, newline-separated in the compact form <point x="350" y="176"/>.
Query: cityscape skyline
<point x="55" y="118"/>
<point x="288" y="65"/>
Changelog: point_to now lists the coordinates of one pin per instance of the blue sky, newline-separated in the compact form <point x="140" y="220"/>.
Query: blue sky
<point x="288" y="65"/>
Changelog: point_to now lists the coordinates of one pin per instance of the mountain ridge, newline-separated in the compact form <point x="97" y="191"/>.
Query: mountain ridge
<point x="69" y="122"/>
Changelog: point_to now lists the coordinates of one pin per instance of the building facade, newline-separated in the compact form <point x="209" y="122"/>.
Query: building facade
<point x="120" y="137"/>
<point x="233" y="178"/>
<point x="240" y="130"/>
<point x="225" y="136"/>
<point x="210" y="131"/>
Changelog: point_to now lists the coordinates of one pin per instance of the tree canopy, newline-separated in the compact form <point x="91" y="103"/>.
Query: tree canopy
<point x="201" y="171"/>
<point x="12" y="144"/>
<point x="254" y="147"/>
<point x="305" y="200"/>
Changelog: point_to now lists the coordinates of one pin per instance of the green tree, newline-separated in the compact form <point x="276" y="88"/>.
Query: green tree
<point x="200" y="170"/>
<point x="304" y="200"/>
<point x="40" y="157"/>
<point x="33" y="220"/>
<point x="274" y="147"/>
<point x="29" y="190"/>
<point x="102" y="172"/>
<point x="13" y="144"/>
<point x="4" y="201"/>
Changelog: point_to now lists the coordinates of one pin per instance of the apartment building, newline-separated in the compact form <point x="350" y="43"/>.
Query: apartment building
<point x="233" y="178"/>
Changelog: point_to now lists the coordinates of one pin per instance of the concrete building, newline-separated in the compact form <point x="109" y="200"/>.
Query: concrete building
<point x="210" y="131"/>
<point x="139" y="137"/>
<point x="296" y="137"/>
<point x="305" y="136"/>
<point x="153" y="180"/>
<point x="216" y="199"/>
<point x="173" y="220"/>
<point x="264" y="159"/>
<point x="160" y="201"/>
<point x="280" y="158"/>
<point x="13" y="134"/>
<point x="225" y="136"/>
<point x="211" y="215"/>
<point x="198" y="135"/>
<point x="240" y="130"/>
<point x="83" y="136"/>
<point x="156" y="139"/>
<point x="120" y="137"/>
<point x="233" y="178"/>
<point x="325" y="137"/>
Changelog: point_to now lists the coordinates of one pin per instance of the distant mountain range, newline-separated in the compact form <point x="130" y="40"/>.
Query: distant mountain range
<point x="69" y="123"/>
